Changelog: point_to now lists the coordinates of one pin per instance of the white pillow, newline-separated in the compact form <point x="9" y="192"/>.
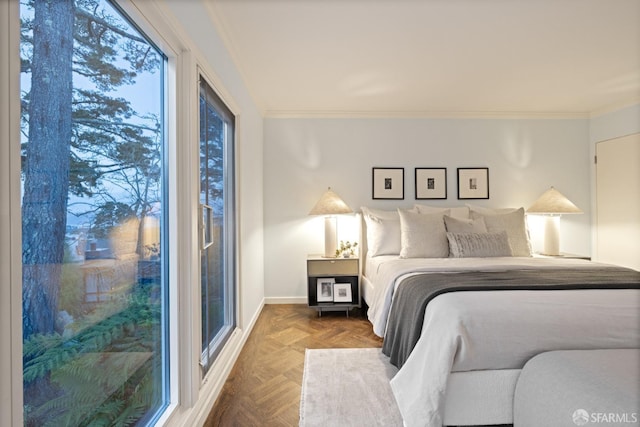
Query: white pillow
<point x="379" y="213"/>
<point x="461" y="212"/>
<point x="422" y="235"/>
<point x="383" y="231"/>
<point x="490" y="211"/>
<point x="515" y="226"/>
<point x="463" y="245"/>
<point x="456" y="225"/>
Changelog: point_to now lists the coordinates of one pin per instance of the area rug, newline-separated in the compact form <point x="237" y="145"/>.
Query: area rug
<point x="348" y="387"/>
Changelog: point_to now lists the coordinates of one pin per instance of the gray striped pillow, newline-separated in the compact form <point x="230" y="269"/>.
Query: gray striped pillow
<point x="465" y="245"/>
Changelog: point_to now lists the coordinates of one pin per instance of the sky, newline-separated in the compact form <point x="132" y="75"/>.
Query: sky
<point x="145" y="97"/>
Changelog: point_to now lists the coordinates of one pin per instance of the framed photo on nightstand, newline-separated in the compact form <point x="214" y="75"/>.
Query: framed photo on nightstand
<point x="342" y="292"/>
<point x="325" y="289"/>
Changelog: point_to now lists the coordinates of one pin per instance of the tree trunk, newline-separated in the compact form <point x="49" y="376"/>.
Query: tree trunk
<point x="46" y="171"/>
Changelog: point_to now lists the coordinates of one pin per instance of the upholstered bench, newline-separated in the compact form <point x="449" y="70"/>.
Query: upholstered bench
<point x="576" y="387"/>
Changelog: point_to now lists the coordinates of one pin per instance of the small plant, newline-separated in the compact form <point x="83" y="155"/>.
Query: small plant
<point x="346" y="249"/>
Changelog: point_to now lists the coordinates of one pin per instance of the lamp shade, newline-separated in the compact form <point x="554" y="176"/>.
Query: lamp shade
<point x="330" y="204"/>
<point x="553" y="202"/>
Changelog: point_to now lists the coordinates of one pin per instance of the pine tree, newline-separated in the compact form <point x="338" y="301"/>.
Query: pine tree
<point x="46" y="170"/>
<point x="81" y="139"/>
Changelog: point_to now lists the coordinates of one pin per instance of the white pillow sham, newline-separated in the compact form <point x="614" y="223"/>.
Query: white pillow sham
<point x="422" y="235"/>
<point x="465" y="245"/>
<point x="383" y="231"/>
<point x="489" y="211"/>
<point x="514" y="224"/>
<point x="456" y="225"/>
<point x="460" y="212"/>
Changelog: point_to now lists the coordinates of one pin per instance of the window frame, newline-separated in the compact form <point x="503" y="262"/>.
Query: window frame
<point x="131" y="11"/>
<point x="149" y="19"/>
<point x="11" y="400"/>
<point x="190" y="395"/>
<point x="216" y="345"/>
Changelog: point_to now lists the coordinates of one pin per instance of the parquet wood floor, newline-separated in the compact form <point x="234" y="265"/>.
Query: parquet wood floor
<point x="264" y="386"/>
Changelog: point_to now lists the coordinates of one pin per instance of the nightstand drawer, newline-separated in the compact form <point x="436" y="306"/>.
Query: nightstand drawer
<point x="332" y="267"/>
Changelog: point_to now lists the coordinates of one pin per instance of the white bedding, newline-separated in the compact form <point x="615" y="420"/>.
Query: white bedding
<point x="385" y="272"/>
<point x="493" y="330"/>
<point x="502" y="330"/>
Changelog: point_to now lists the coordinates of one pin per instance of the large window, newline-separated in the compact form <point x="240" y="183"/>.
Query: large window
<point x="93" y="217"/>
<point x="217" y="255"/>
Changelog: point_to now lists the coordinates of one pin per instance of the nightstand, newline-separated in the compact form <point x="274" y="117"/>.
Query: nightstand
<point x="333" y="283"/>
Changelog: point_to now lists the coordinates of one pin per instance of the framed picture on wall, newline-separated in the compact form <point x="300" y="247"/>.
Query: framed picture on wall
<point x="473" y="183"/>
<point x="388" y="183"/>
<point x="431" y="183"/>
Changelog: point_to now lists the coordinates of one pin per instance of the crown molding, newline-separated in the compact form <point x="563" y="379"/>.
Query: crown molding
<point x="283" y="114"/>
<point x="223" y="32"/>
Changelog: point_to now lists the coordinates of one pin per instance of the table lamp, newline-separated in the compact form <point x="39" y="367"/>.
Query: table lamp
<point x="552" y="204"/>
<point x="330" y="204"/>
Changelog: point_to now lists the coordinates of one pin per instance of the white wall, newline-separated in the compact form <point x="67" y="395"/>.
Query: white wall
<point x="195" y="22"/>
<point x="625" y="121"/>
<point x="303" y="156"/>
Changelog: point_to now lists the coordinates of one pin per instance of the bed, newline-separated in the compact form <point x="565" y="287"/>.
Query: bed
<point x="460" y="366"/>
<point x="565" y="388"/>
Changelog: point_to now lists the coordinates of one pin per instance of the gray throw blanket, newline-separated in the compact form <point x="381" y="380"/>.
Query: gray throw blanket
<point x="414" y="293"/>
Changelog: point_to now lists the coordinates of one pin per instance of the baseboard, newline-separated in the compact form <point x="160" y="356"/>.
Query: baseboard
<point x="219" y="372"/>
<point x="285" y="300"/>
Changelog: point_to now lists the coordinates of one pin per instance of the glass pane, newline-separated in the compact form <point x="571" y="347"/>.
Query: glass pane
<point x="92" y="217"/>
<point x="215" y="181"/>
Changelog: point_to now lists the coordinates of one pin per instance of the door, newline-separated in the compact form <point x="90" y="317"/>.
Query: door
<point x="618" y="201"/>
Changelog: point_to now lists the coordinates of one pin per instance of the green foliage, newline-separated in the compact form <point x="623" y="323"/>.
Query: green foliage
<point x="346" y="248"/>
<point x="123" y="344"/>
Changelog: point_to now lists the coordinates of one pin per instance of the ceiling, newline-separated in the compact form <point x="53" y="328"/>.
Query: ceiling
<point x="434" y="57"/>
